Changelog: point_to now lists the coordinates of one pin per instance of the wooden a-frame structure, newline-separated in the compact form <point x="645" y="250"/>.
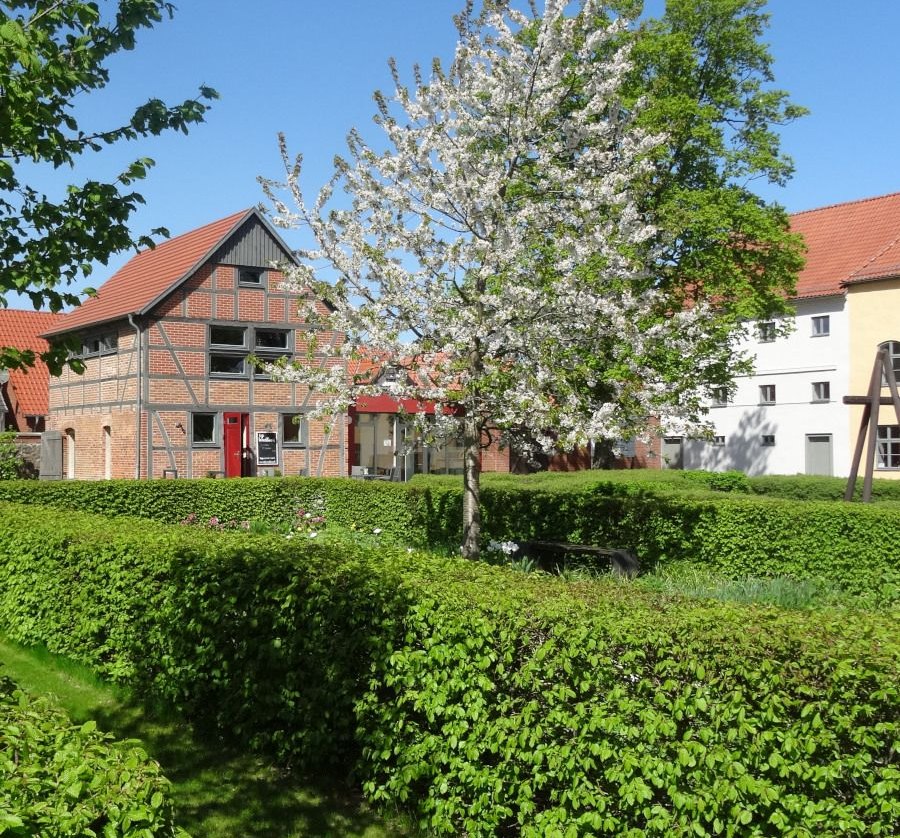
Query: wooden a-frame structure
<point x="882" y="371"/>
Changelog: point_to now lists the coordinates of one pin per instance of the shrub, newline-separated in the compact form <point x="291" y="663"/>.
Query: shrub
<point x="63" y="780"/>
<point x="12" y="465"/>
<point x="489" y="701"/>
<point x="266" y="638"/>
<point x="530" y="707"/>
<point x="853" y="546"/>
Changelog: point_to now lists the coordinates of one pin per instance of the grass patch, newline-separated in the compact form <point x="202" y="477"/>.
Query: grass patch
<point x="687" y="579"/>
<point x="218" y="793"/>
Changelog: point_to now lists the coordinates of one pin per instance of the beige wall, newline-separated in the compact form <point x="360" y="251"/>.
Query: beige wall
<point x="873" y="310"/>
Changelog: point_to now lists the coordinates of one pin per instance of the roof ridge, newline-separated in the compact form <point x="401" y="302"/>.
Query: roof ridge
<point x="846" y="203"/>
<point x="872" y="258"/>
<point x="174" y="239"/>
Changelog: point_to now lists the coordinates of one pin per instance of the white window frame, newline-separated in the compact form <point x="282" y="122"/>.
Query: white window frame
<point x="893" y="358"/>
<point x="821" y="392"/>
<point x="888" y="448"/>
<point x="821" y="325"/>
<point x="764" y="394"/>
<point x="765" y="331"/>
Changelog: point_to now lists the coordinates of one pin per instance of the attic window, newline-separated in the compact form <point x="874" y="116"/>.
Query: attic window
<point x="251" y="276"/>
<point x="99" y="344"/>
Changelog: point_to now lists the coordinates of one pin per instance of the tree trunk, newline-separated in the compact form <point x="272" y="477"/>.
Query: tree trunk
<point x="471" y="489"/>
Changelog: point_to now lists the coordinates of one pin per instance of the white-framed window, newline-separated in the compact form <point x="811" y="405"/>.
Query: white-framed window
<point x="204" y="430"/>
<point x="767" y="394"/>
<point x="765" y="331"/>
<point x="719" y="396"/>
<point x="821" y="325"/>
<point x="718" y="440"/>
<point x="893" y="347"/>
<point x="821" y="391"/>
<point x="294" y="430"/>
<point x="888" y="449"/>
<point x="768" y="440"/>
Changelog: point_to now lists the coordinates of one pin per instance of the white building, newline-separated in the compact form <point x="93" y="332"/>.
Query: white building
<point x="788" y="417"/>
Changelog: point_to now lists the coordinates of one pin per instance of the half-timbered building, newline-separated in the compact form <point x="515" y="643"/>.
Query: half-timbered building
<point x="173" y="384"/>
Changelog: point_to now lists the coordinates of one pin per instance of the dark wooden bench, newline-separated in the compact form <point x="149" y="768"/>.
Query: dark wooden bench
<point x="554" y="555"/>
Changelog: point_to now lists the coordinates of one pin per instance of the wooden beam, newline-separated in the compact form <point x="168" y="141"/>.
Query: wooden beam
<point x="866" y="400"/>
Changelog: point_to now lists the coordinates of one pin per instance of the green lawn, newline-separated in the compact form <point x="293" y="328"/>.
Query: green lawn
<point x="218" y="793"/>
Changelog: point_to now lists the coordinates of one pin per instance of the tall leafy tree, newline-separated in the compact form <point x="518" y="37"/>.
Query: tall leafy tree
<point x="496" y="253"/>
<point x="51" y="51"/>
<point x="706" y="77"/>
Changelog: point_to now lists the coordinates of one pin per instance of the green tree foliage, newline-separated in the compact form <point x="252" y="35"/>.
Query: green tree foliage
<point x="50" y="52"/>
<point x="706" y="76"/>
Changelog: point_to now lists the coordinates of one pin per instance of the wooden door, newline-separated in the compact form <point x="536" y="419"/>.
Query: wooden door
<point x="235" y="441"/>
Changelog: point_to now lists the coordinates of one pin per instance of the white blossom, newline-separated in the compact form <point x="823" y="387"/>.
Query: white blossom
<point x="495" y="252"/>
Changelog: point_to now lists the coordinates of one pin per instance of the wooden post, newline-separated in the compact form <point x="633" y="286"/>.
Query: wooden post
<point x="882" y="369"/>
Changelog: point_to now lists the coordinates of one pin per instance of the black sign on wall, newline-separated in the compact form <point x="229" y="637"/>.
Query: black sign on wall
<point x="266" y="448"/>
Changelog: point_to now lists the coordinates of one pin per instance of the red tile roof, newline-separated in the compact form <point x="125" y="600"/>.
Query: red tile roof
<point x="848" y="243"/>
<point x="151" y="274"/>
<point x="23" y="330"/>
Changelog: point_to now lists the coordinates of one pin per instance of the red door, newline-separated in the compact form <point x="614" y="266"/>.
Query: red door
<point x="236" y="441"/>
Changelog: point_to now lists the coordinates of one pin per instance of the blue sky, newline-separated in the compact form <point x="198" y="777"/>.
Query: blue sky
<point x="309" y="69"/>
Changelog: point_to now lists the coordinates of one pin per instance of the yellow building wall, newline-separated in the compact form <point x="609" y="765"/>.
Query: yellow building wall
<point x="873" y="313"/>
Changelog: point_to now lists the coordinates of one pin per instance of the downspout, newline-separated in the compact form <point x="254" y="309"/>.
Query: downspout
<point x="140" y="396"/>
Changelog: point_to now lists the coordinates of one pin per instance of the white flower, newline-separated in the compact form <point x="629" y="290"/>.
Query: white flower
<point x="313" y="534"/>
<point x="377" y="531"/>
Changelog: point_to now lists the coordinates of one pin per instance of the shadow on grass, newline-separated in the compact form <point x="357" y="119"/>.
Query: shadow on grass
<point x="219" y="792"/>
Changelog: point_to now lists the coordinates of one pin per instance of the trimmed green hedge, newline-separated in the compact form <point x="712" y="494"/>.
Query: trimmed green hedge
<point x="527" y="707"/>
<point x="64" y="780"/>
<point x="855" y="546"/>
<point x="487" y="701"/>
<point x="241" y="633"/>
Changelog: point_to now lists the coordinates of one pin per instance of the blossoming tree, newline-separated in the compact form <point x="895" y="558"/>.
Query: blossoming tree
<point x="492" y="252"/>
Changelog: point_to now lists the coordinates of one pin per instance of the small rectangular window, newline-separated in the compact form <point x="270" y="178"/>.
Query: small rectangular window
<point x="719" y="396"/>
<point x="767" y="394"/>
<point x="821" y="391"/>
<point x="718" y="440"/>
<point x="888" y="448"/>
<point x="268" y="339"/>
<point x="99" y="344"/>
<point x="203" y="428"/>
<point x="294" y="430"/>
<point x="821" y="326"/>
<point x="768" y="439"/>
<point x="259" y="365"/>
<point x="250" y="276"/>
<point x="227" y="336"/>
<point x="227" y="364"/>
<point x="765" y="331"/>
